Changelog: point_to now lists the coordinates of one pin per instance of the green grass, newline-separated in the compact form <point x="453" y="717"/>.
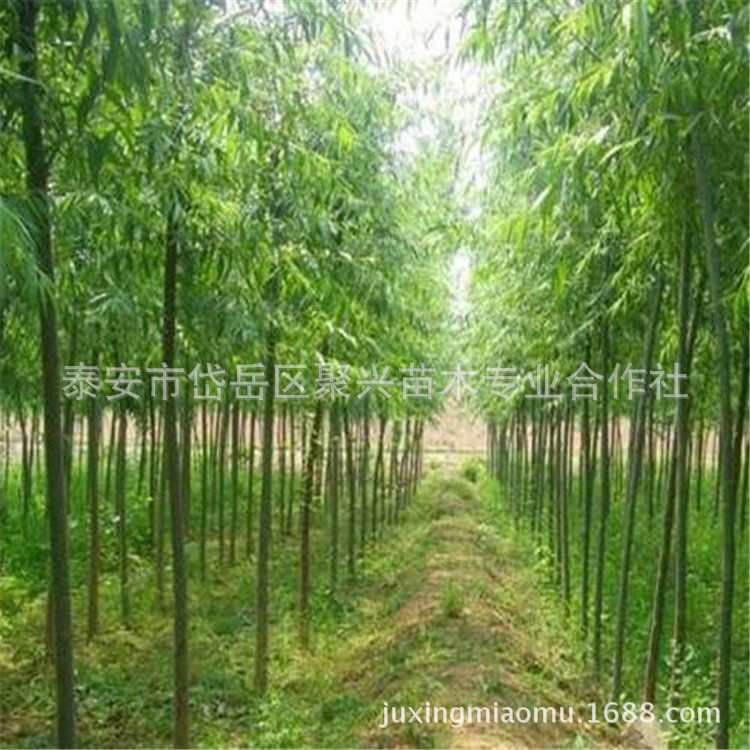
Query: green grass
<point x="124" y="677"/>
<point x="393" y="634"/>
<point x="451" y="600"/>
<point x="704" y="582"/>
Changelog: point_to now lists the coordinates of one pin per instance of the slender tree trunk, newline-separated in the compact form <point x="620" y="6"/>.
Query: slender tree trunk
<point x="383" y="481"/>
<point x="152" y="468"/>
<point x="6" y="467"/>
<point x="204" y="487"/>
<point x="417" y="443"/>
<point x="379" y="469"/>
<point x="35" y="467"/>
<point x="68" y="413"/>
<point x="393" y="468"/>
<point x="94" y="539"/>
<point x="700" y="458"/>
<point x="744" y="485"/>
<point x="554" y="520"/>
<point x="37" y="187"/>
<point x="739" y="427"/>
<point x="403" y="486"/>
<point x="222" y="469"/>
<point x="524" y="470"/>
<point x="704" y="191"/>
<point x="235" y="471"/>
<point x="352" y="489"/>
<point x="159" y="525"/>
<point x="110" y="458"/>
<point x="563" y="501"/>
<point x="335" y="485"/>
<point x="292" y="473"/>
<point x="314" y="455"/>
<point x="635" y="458"/>
<point x="601" y="555"/>
<point x="121" y="513"/>
<point x="250" y="488"/>
<point x="281" y="451"/>
<point x="716" y="463"/>
<point x="25" y="470"/>
<point x="587" y="480"/>
<point x="142" y="451"/>
<point x="662" y="575"/>
<point x="187" y="459"/>
<point x="660" y="589"/>
<point x="652" y="460"/>
<point x="266" y="498"/>
<point x="363" y="473"/>
<point x="663" y="459"/>
<point x="172" y="471"/>
<point x="682" y="494"/>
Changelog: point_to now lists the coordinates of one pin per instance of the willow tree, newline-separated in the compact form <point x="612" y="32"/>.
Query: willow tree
<point x="598" y="115"/>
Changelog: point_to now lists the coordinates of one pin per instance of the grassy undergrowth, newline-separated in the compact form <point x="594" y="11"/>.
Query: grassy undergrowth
<point x="703" y="605"/>
<point x="124" y="676"/>
<point x="443" y="610"/>
<point x="454" y="606"/>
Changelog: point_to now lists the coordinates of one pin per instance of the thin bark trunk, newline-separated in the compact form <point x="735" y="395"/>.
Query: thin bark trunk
<point x="379" y="469"/>
<point x="635" y="457"/>
<point x="363" y="473"/>
<point x="235" y="473"/>
<point x="665" y="550"/>
<point x="292" y="474"/>
<point x="588" y="485"/>
<point x="308" y="495"/>
<point x="660" y="590"/>
<point x="682" y="495"/>
<point x="266" y="496"/>
<point x="250" y="488"/>
<point x="68" y="413"/>
<point x="335" y="485"/>
<point x="172" y="472"/>
<point x="121" y="514"/>
<point x="37" y="187"/>
<point x="281" y="451"/>
<point x="222" y="470"/>
<point x="94" y="540"/>
<point x="719" y="317"/>
<point x="601" y="554"/>
<point x="352" y="489"/>
<point x="204" y="487"/>
<point x="187" y="460"/>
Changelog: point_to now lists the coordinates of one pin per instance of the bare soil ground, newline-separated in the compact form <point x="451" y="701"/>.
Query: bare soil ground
<point x="454" y="436"/>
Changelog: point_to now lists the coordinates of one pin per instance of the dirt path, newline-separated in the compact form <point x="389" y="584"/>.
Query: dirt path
<point x="458" y="620"/>
<point x="446" y="609"/>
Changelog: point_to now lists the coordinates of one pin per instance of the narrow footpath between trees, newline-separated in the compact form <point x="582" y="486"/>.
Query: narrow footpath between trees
<point x="448" y="609"/>
<point x="454" y="614"/>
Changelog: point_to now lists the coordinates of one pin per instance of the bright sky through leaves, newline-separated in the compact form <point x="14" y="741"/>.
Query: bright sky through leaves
<point x="426" y="36"/>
